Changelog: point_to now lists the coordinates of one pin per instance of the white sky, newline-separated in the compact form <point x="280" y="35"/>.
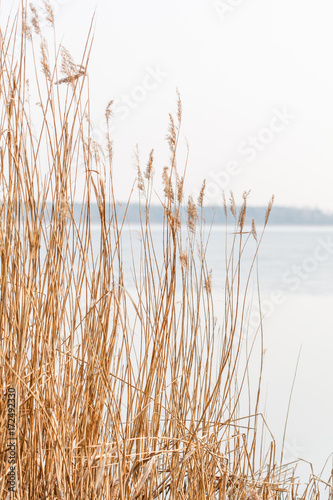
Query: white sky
<point x="233" y="70"/>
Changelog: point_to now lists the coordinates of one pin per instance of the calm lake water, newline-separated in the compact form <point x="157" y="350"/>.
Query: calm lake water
<point x="295" y="259"/>
<point x="296" y="283"/>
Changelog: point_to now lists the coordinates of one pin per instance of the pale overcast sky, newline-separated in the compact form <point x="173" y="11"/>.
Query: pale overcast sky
<point x="256" y="81"/>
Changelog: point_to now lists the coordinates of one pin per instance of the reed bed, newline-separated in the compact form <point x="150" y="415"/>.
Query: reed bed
<point x="122" y="393"/>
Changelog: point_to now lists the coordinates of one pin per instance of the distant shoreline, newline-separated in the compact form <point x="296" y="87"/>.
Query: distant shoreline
<point x="279" y="215"/>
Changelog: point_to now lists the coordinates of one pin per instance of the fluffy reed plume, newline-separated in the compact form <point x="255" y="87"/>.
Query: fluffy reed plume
<point x="242" y="215"/>
<point x="202" y="194"/>
<point x="69" y="68"/>
<point x="25" y="27"/>
<point x="254" y="230"/>
<point x="269" y="209"/>
<point x="128" y="376"/>
<point x="208" y="282"/>
<point x="180" y="189"/>
<point x="71" y="78"/>
<point x="224" y="204"/>
<point x="179" y="108"/>
<point x="167" y="182"/>
<point x="176" y="219"/>
<point x="109" y="142"/>
<point x="149" y="169"/>
<point x="34" y="19"/>
<point x="192" y="214"/>
<point x="49" y="14"/>
<point x="140" y="181"/>
<point x="45" y="59"/>
<point x="183" y="258"/>
<point x="233" y="209"/>
<point x="109" y="112"/>
<point x="172" y="134"/>
<point x="109" y="147"/>
<point x="242" y="212"/>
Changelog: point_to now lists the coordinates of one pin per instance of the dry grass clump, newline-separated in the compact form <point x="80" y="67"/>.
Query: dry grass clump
<point x="120" y="394"/>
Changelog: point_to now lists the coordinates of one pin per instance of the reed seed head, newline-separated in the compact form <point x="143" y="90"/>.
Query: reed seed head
<point x="254" y="231"/>
<point x="183" y="258"/>
<point x="68" y="67"/>
<point x="201" y="194"/>
<point x="269" y="209"/>
<point x="180" y="189"/>
<point x="45" y="59"/>
<point x="208" y="282"/>
<point x="179" y="108"/>
<point x="109" y="112"/>
<point x="149" y="169"/>
<point x="224" y="204"/>
<point x="168" y="189"/>
<point x="242" y="213"/>
<point x="233" y="205"/>
<point x="192" y="214"/>
<point x="140" y="181"/>
<point x="172" y="135"/>
<point x="25" y="27"/>
<point x="49" y="14"/>
<point x="109" y="147"/>
<point x="35" y="19"/>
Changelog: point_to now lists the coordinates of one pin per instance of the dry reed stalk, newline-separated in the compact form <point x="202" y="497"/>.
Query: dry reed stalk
<point x="121" y="393"/>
